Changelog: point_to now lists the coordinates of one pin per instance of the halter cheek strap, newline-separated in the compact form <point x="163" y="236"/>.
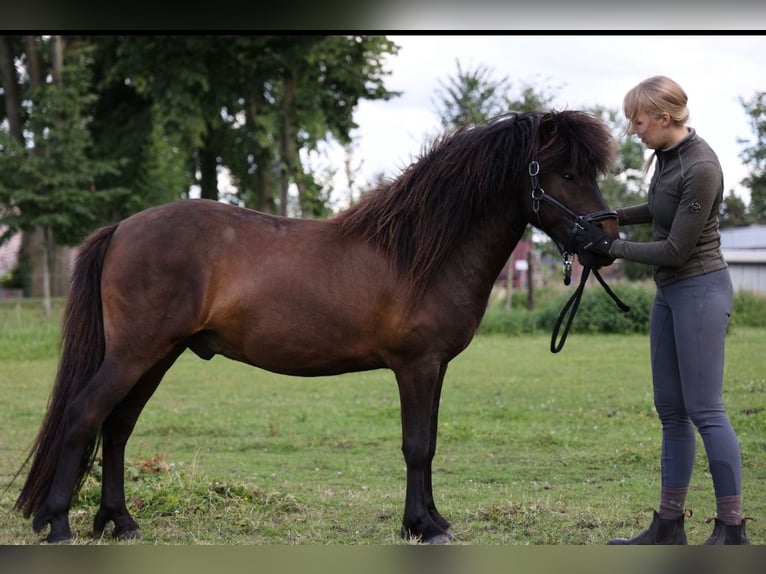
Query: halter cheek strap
<point x="580" y="221"/>
<point x="539" y="196"/>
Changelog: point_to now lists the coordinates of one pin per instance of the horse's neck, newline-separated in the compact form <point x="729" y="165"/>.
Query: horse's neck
<point x="482" y="257"/>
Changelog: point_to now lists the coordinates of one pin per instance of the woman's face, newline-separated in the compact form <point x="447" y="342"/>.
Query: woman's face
<point x="651" y="129"/>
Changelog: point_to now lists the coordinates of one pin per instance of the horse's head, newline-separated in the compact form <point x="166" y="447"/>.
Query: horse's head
<point x="572" y="149"/>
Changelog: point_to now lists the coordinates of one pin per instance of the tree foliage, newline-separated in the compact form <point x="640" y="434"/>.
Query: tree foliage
<point x="160" y="115"/>
<point x="117" y="123"/>
<point x="734" y="211"/>
<point x="754" y="156"/>
<point x="47" y="179"/>
<point x="475" y="95"/>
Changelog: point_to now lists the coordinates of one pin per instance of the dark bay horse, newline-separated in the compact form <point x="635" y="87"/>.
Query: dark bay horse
<point x="400" y="281"/>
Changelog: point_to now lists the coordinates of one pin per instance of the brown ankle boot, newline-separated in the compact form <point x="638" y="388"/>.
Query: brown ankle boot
<point x="727" y="533"/>
<point x="661" y="531"/>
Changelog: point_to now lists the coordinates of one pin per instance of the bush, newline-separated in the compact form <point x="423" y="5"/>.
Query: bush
<point x="598" y="313"/>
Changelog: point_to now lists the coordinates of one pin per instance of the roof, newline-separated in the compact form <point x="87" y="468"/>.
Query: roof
<point x="750" y="237"/>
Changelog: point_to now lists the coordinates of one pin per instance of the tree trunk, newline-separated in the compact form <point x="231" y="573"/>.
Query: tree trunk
<point x="57" y="59"/>
<point x="49" y="245"/>
<point x="284" y="177"/>
<point x="30" y="260"/>
<point x="262" y="194"/>
<point x="208" y="168"/>
<point x="10" y="82"/>
<point x="349" y="170"/>
<point x="47" y="248"/>
<point x="45" y="265"/>
<point x="530" y="280"/>
<point x="33" y="243"/>
<point x="287" y="169"/>
<point x="61" y="269"/>
<point x="33" y="62"/>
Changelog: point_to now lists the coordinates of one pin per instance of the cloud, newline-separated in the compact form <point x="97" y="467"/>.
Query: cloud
<point x="581" y="70"/>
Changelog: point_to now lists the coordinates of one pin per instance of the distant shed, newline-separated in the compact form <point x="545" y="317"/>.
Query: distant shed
<point x="744" y="249"/>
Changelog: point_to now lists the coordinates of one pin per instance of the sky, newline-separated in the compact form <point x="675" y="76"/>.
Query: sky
<point x="581" y="70"/>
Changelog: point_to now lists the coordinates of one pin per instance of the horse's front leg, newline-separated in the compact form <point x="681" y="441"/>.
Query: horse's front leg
<point x="434" y="428"/>
<point x="418" y="388"/>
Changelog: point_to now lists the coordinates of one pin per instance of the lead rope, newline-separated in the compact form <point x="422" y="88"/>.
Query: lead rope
<point x="574" y="302"/>
<point x="538" y="197"/>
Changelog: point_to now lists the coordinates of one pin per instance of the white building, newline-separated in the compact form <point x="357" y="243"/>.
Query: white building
<point x="744" y="249"/>
<point x="9" y="252"/>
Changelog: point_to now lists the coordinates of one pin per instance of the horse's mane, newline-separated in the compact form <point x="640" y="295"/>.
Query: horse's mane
<point x="467" y="174"/>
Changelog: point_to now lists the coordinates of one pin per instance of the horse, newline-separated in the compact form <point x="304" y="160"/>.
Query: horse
<point x="400" y="280"/>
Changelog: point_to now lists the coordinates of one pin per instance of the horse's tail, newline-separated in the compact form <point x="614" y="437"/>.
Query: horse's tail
<point x="82" y="352"/>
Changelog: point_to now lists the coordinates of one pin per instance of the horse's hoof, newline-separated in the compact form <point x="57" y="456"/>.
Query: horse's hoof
<point x="60" y="532"/>
<point x="39" y="522"/>
<point x="127" y="534"/>
<point x="58" y="538"/>
<point x="439" y="539"/>
<point x="434" y="536"/>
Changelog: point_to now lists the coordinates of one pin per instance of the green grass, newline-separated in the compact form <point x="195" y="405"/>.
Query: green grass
<point x="534" y="448"/>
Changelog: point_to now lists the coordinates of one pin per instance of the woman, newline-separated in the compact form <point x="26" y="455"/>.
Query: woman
<point x="690" y="310"/>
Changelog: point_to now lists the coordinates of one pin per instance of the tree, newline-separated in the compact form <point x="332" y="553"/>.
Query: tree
<point x="47" y="180"/>
<point x="306" y="91"/>
<point x="733" y="211"/>
<point x="754" y="155"/>
<point x="46" y="176"/>
<point x="149" y="117"/>
<point x="159" y="106"/>
<point x="250" y="104"/>
<point x="98" y="127"/>
<point x="154" y="165"/>
<point x="475" y="96"/>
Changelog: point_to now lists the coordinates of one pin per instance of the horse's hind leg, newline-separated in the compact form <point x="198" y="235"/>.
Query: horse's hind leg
<point x="83" y="419"/>
<point x="116" y="430"/>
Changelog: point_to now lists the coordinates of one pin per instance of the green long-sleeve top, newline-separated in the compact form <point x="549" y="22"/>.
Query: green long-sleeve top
<point x="684" y="198"/>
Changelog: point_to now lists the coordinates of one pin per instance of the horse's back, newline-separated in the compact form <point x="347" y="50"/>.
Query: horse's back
<point x="200" y="218"/>
<point x="202" y="233"/>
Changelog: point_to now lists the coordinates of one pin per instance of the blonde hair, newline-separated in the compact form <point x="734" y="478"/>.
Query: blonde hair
<point x="655" y="96"/>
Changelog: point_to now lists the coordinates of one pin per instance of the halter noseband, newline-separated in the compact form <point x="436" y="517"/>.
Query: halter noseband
<point x="539" y="196"/>
<point x="580" y="221"/>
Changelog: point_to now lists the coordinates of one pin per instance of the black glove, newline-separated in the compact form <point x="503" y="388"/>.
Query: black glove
<point x="592" y="244"/>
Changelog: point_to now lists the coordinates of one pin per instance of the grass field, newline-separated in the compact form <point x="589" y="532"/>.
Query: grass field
<point x="534" y="448"/>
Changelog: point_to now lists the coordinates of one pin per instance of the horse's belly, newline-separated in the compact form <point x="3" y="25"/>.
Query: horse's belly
<point x="290" y="355"/>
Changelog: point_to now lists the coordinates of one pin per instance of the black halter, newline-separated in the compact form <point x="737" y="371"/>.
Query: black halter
<point x="580" y="221"/>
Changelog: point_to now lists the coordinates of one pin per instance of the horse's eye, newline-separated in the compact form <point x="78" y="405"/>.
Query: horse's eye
<point x="566" y="176"/>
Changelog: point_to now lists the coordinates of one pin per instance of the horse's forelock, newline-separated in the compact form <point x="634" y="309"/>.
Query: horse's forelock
<point x="579" y="140"/>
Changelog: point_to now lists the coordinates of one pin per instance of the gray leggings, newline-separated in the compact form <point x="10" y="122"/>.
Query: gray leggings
<point x="688" y="329"/>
